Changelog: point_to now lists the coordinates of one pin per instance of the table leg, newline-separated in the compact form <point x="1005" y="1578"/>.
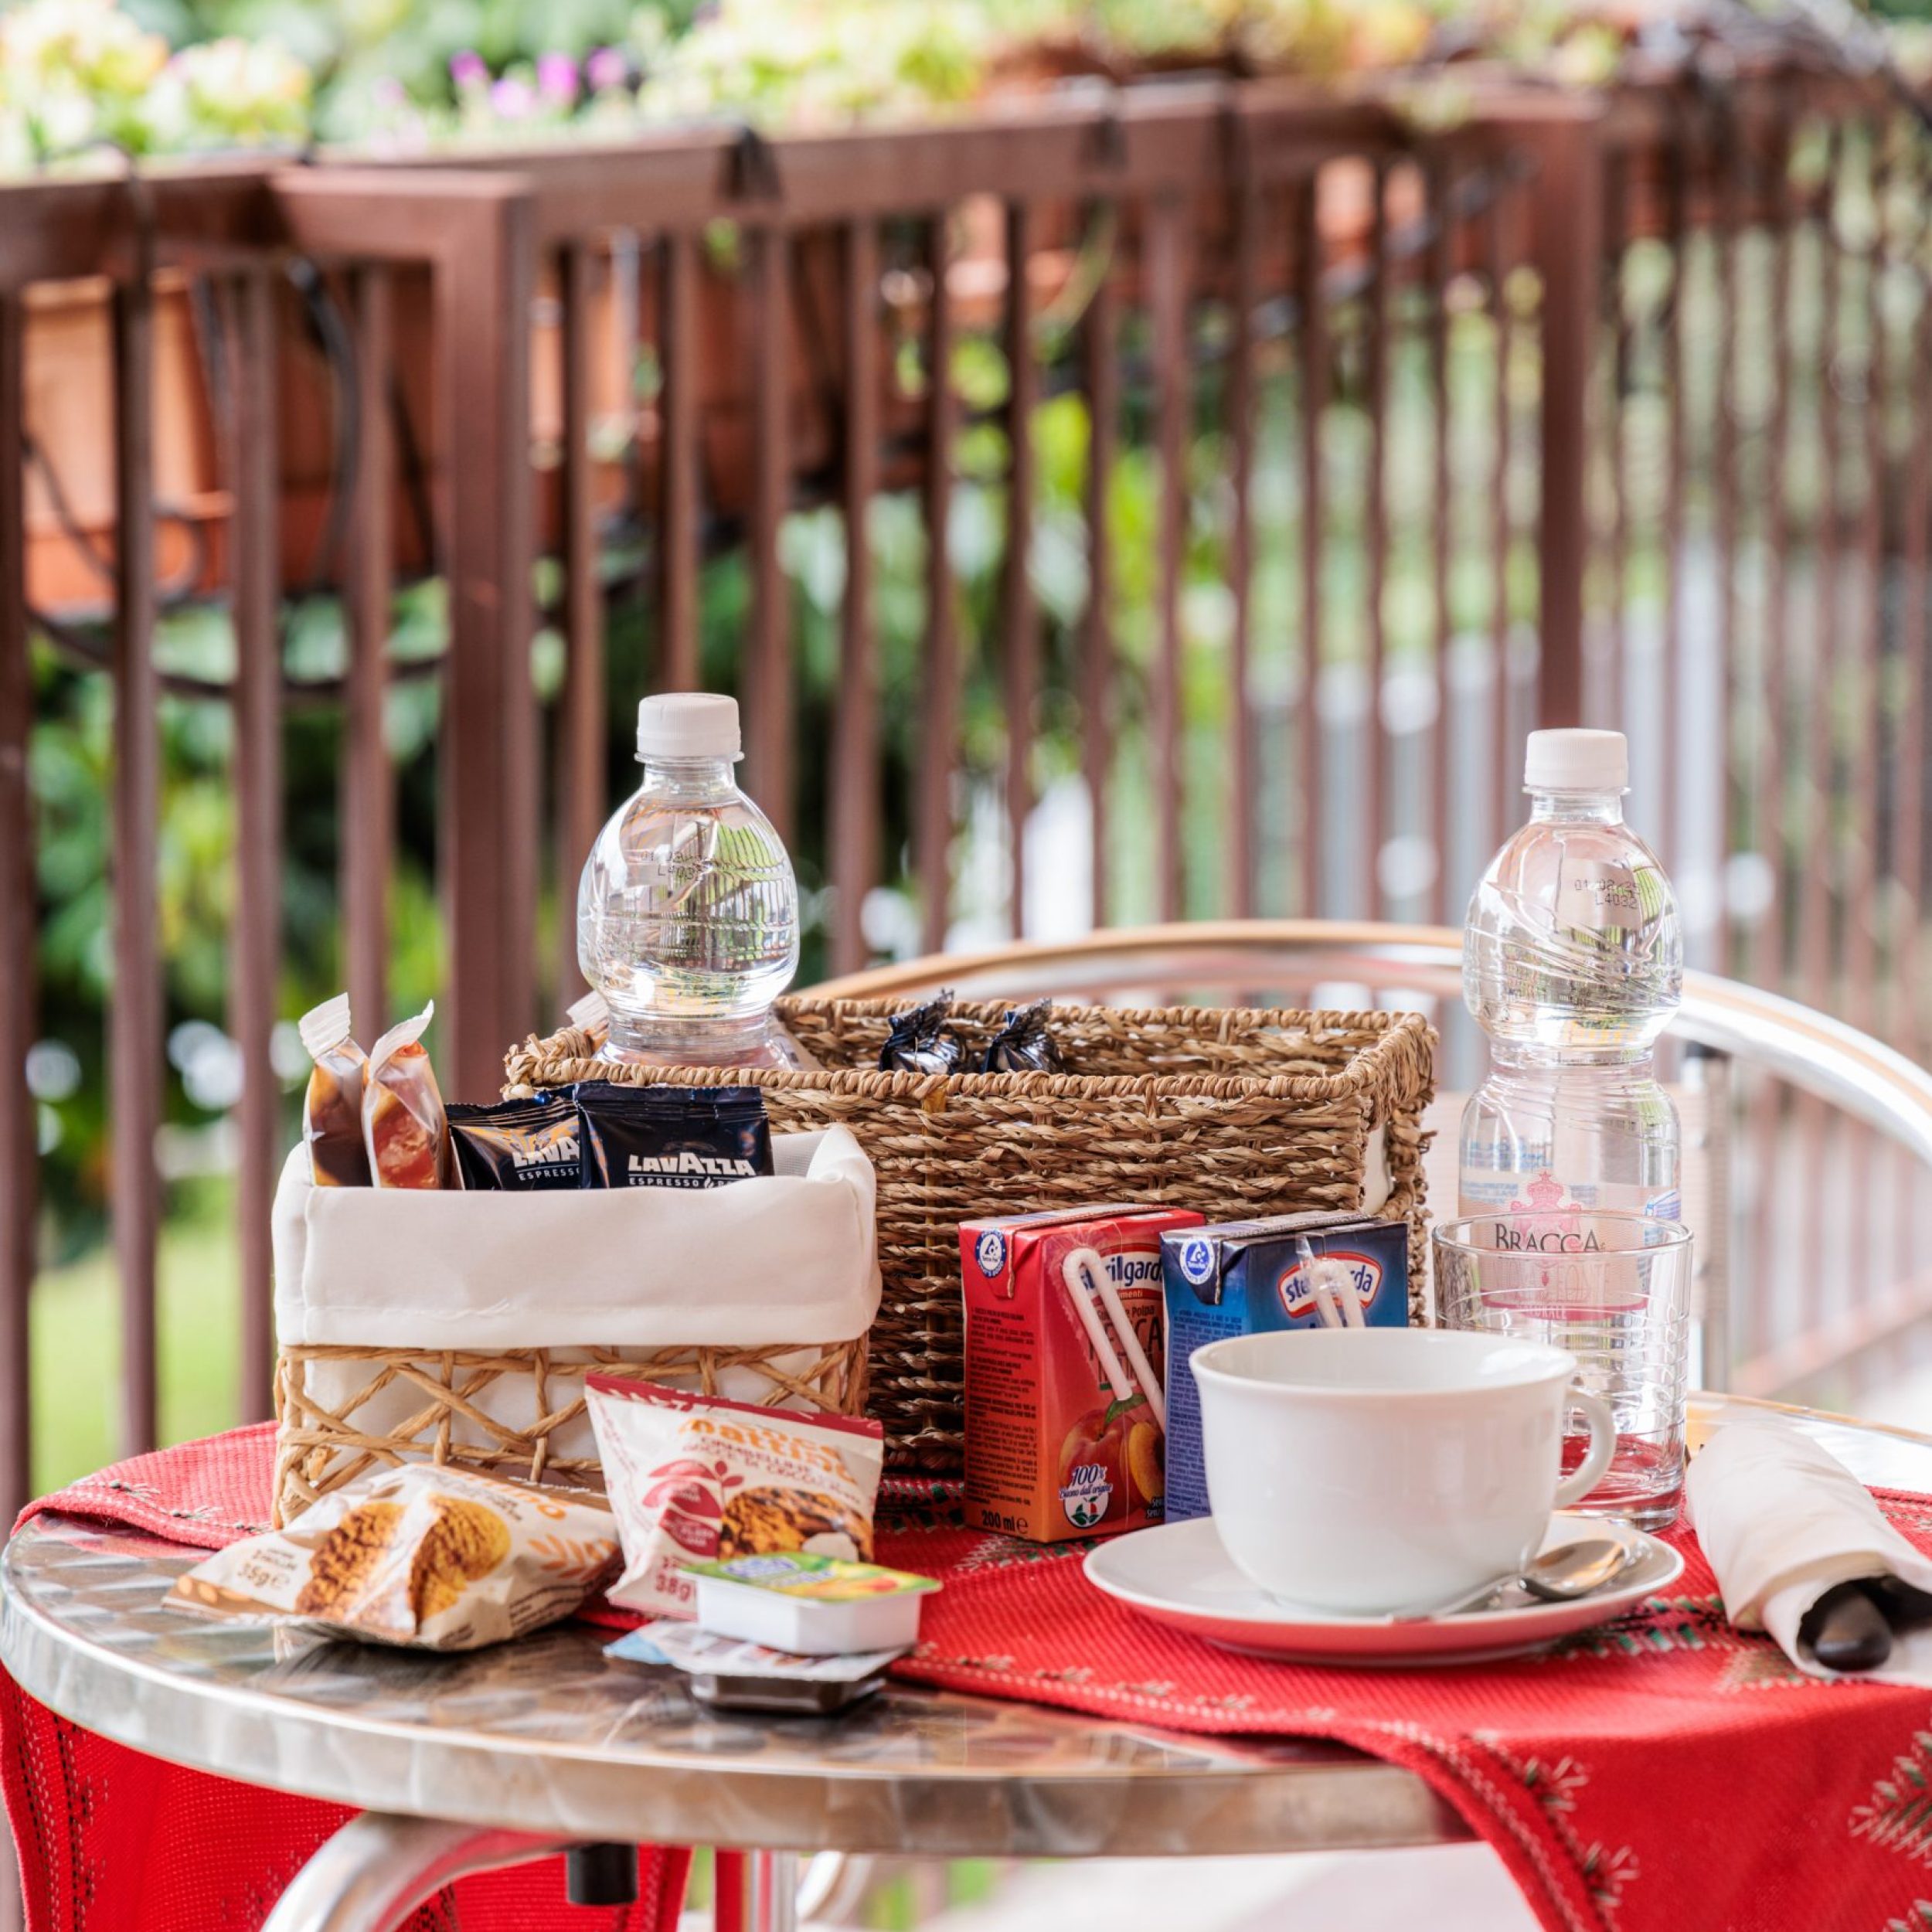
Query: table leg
<point x="378" y="1868"/>
<point x="754" y="1892"/>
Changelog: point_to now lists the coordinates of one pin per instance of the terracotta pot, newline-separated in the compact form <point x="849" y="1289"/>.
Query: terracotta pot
<point x="68" y="357"/>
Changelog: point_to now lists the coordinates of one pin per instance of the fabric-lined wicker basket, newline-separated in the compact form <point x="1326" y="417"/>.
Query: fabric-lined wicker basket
<point x="1235" y="1112"/>
<point x="458" y="1328"/>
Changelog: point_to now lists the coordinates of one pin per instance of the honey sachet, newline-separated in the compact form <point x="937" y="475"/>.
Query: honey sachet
<point x="404" y="1126"/>
<point x="332" y="1109"/>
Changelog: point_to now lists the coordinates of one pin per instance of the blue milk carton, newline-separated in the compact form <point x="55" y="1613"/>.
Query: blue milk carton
<point x="1241" y="1277"/>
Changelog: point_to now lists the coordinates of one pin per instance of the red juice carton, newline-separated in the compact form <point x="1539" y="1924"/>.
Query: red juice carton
<point x="1065" y="1324"/>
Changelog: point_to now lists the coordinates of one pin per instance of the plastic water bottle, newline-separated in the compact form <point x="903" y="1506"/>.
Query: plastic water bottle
<point x="687" y="911"/>
<point x="1573" y="964"/>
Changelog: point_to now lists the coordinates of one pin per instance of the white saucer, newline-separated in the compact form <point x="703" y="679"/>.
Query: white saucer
<point x="1177" y="1573"/>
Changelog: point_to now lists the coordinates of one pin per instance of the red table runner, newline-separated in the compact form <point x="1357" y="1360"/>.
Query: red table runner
<point x="1663" y="1775"/>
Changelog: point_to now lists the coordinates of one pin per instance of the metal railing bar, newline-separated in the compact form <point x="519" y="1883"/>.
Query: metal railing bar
<point x="939" y="742"/>
<point x="255" y="936"/>
<point x="1241" y="401"/>
<point x="678" y="531"/>
<point x="1100" y="349"/>
<point x="1019" y="643"/>
<point x="768" y="670"/>
<point x="134" y="1013"/>
<point x="1314" y="402"/>
<point x="1374" y="381"/>
<point x="18" y="922"/>
<point x="855" y="791"/>
<point x="367" y="796"/>
<point x="581" y="740"/>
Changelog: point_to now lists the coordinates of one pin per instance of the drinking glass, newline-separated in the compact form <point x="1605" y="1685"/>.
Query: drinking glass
<point x="1613" y="1289"/>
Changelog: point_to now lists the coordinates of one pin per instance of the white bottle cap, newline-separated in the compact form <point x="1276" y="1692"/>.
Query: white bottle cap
<point x="1575" y="761"/>
<point x="689" y="724"/>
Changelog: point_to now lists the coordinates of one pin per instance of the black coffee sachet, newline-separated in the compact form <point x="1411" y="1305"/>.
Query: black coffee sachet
<point x="516" y="1147"/>
<point x="1024" y="1044"/>
<point x="670" y="1136"/>
<point x="920" y="1041"/>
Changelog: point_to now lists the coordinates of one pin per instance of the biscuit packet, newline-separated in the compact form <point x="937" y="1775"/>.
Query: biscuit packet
<point x="332" y="1107"/>
<point x="403" y="1125"/>
<point x="692" y="1476"/>
<point x="436" y="1558"/>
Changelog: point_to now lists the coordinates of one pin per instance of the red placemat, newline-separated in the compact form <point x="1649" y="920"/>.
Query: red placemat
<point x="1664" y="1774"/>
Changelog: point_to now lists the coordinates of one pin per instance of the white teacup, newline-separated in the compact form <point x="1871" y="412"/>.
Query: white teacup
<point x="1388" y="1471"/>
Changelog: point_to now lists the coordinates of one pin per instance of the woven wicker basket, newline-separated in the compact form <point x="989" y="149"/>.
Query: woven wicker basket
<point x="1234" y="1112"/>
<point x="321" y="1444"/>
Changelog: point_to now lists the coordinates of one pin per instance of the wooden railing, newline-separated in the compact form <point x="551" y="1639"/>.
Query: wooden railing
<point x="1341" y="522"/>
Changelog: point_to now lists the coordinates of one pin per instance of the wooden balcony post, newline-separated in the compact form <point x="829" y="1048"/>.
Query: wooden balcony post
<point x="1568" y="246"/>
<point x="17" y="925"/>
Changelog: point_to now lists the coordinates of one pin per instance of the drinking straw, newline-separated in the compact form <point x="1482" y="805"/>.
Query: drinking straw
<point x="1074" y="1275"/>
<point x="1136" y="1354"/>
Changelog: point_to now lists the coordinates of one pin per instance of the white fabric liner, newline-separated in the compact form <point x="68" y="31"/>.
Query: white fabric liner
<point x="791" y="1258"/>
<point x="1783" y="1521"/>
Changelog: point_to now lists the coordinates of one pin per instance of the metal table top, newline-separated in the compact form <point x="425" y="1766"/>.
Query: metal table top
<point x="546" y="1736"/>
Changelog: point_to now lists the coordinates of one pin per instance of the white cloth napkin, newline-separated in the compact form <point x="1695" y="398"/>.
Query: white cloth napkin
<point x="1782" y="1521"/>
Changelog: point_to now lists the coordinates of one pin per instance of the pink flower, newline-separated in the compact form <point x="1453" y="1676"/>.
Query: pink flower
<point x="607" y="70"/>
<point x="557" y="78"/>
<point x="512" y="98"/>
<point x="467" y="69"/>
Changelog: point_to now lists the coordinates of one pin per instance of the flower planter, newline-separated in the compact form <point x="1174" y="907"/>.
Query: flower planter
<point x="68" y="365"/>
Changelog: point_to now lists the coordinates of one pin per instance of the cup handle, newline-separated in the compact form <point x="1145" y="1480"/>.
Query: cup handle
<point x="1602" y="1445"/>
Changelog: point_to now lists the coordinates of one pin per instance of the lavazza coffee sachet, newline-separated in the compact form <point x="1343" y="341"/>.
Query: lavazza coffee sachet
<point x="681" y="1137"/>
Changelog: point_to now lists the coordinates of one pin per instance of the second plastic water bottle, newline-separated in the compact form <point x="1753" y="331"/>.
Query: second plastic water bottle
<point x="1573" y="964"/>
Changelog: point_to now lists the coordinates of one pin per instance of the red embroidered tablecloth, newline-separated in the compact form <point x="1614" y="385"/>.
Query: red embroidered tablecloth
<point x="1663" y="1775"/>
<point x="111" y="1840"/>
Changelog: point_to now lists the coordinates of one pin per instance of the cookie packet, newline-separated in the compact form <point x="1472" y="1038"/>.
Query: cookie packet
<point x="434" y="1558"/>
<point x="332" y="1107"/>
<point x="695" y="1478"/>
<point x="403" y="1124"/>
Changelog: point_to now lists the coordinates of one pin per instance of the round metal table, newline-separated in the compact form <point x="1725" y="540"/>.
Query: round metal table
<point x="462" y="1764"/>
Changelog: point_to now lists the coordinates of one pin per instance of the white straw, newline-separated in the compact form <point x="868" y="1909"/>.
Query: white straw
<point x="1072" y="1275"/>
<point x="1117" y="1314"/>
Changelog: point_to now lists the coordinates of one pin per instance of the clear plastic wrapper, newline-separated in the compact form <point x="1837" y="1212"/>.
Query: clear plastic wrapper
<point x="692" y="1477"/>
<point x="436" y="1559"/>
<point x="404" y="1126"/>
<point x="332" y="1108"/>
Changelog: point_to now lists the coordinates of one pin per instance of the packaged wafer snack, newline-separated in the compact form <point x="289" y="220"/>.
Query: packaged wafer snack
<point x="681" y="1137"/>
<point x="692" y="1477"/>
<point x="332" y="1110"/>
<point x="403" y="1125"/>
<point x="516" y="1147"/>
<point x="438" y="1559"/>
